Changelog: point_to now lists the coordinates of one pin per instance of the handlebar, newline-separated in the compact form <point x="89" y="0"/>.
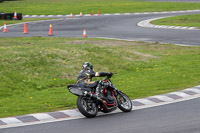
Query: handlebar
<point x="111" y="74"/>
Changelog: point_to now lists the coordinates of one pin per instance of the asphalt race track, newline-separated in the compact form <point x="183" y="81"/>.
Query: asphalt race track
<point x="110" y="26"/>
<point x="182" y="117"/>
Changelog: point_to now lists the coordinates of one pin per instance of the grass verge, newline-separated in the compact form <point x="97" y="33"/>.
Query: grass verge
<point x="21" y="21"/>
<point x="63" y="7"/>
<point x="34" y="71"/>
<point x="184" y="20"/>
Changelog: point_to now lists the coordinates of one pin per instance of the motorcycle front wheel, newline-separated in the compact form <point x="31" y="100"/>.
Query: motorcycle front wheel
<point x="124" y="102"/>
<point x="87" y="106"/>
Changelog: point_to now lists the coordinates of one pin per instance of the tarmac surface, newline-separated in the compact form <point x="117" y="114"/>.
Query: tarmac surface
<point x="120" y="26"/>
<point x="182" y="117"/>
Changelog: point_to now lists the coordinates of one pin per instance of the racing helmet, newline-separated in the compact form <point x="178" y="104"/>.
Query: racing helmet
<point x="87" y="65"/>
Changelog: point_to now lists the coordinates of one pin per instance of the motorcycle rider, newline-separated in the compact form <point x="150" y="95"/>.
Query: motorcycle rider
<point x="85" y="77"/>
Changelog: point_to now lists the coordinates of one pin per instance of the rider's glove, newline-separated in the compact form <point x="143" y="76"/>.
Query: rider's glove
<point x="102" y="74"/>
<point x="110" y="73"/>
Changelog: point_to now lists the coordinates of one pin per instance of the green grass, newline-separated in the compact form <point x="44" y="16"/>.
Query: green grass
<point x="48" y="7"/>
<point x="34" y="71"/>
<point x="21" y="21"/>
<point x="184" y="20"/>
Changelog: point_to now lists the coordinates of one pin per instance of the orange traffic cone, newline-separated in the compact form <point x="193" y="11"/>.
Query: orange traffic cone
<point x="84" y="33"/>
<point x="25" y="29"/>
<point x="5" y="28"/>
<point x="98" y="13"/>
<point x="15" y="16"/>
<point x="92" y="13"/>
<point x="50" y="30"/>
<point x="81" y="14"/>
<point x="71" y="15"/>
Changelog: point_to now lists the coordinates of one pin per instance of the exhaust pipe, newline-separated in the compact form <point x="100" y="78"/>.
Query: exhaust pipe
<point x="89" y="94"/>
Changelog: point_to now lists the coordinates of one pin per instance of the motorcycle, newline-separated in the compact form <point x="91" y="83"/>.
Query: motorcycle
<point x="89" y="104"/>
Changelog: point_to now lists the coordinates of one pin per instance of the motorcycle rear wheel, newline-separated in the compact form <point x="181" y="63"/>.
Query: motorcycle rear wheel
<point x="86" y="106"/>
<point x="124" y="102"/>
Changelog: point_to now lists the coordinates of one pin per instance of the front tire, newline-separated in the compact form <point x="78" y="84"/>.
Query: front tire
<point x="124" y="102"/>
<point x="87" y="106"/>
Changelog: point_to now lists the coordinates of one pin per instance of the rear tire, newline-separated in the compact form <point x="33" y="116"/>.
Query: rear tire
<point x="124" y="102"/>
<point x="86" y="106"/>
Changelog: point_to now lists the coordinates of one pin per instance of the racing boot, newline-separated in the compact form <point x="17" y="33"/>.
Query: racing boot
<point x="98" y="92"/>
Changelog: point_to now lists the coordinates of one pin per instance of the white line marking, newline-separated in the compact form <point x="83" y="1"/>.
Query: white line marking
<point x="71" y="112"/>
<point x="31" y="22"/>
<point x="106" y="14"/>
<point x="147" y="24"/>
<point x="161" y="26"/>
<point x="156" y="26"/>
<point x="165" y="12"/>
<point x="82" y="117"/>
<point x="87" y="15"/>
<point x="193" y="90"/>
<point x="38" y="122"/>
<point x="184" y="27"/>
<point x="141" y="13"/>
<point x="137" y="13"/>
<point x="42" y="116"/>
<point x="177" y="27"/>
<point x="165" y="103"/>
<point x="34" y="15"/>
<point x="117" y="14"/>
<point x="10" y="120"/>
<point x="144" y="101"/>
<point x="173" y="12"/>
<point x="181" y="94"/>
<point x="191" y="28"/>
<point x="171" y="27"/>
<point x="165" y="26"/>
<point x="163" y="98"/>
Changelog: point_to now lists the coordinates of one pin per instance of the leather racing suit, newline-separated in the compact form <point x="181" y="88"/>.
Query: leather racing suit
<point x="85" y="78"/>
